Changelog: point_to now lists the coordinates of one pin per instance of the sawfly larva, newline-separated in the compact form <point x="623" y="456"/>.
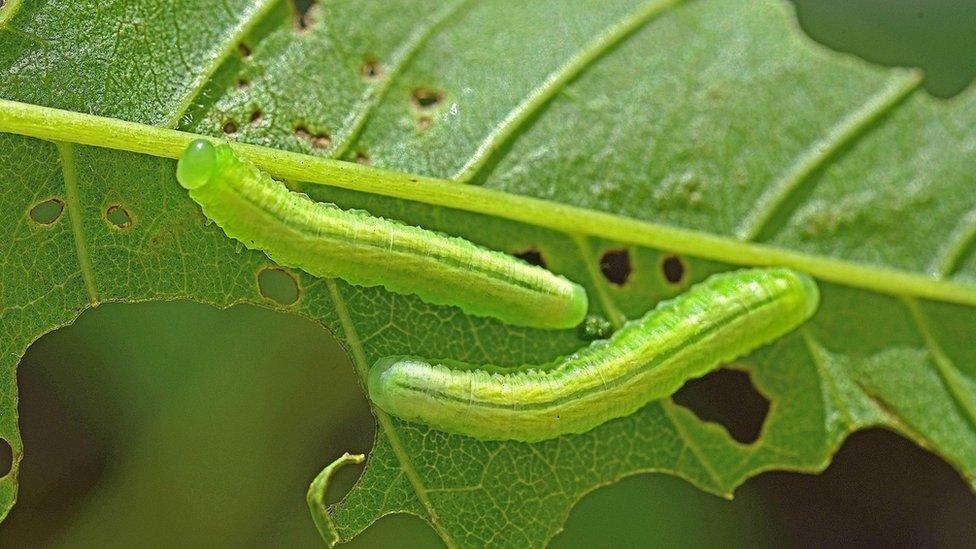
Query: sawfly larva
<point x="715" y="321"/>
<point x="365" y="250"/>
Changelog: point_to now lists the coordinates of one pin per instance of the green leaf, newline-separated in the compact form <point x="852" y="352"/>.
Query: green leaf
<point x="710" y="129"/>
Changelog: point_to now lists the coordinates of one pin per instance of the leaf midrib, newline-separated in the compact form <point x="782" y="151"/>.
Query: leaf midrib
<point x="84" y="129"/>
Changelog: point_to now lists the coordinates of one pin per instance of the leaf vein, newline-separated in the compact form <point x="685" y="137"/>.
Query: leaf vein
<point x="373" y="95"/>
<point x="362" y="367"/>
<point x="617" y="318"/>
<point x="72" y="203"/>
<point x="248" y="22"/>
<point x="819" y="153"/>
<point x="557" y="81"/>
<point x="951" y="378"/>
<point x="9" y="11"/>
<point x="830" y="394"/>
<point x="963" y="236"/>
<point x="669" y="408"/>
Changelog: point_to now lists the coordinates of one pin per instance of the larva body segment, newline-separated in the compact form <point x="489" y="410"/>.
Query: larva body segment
<point x="716" y="321"/>
<point x="361" y="249"/>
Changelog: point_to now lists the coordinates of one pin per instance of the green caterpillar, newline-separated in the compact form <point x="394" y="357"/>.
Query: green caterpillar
<point x="365" y="250"/>
<point x="720" y="319"/>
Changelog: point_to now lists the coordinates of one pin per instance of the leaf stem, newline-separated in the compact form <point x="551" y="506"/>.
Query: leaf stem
<point x="58" y="125"/>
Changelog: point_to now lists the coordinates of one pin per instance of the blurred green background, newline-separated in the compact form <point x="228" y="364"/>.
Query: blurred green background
<point x="174" y="424"/>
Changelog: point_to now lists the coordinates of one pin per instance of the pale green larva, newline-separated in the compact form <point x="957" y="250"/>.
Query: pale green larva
<point x="365" y="250"/>
<point x="718" y="320"/>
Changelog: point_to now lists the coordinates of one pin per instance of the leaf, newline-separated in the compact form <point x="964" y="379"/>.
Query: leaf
<point x="709" y="129"/>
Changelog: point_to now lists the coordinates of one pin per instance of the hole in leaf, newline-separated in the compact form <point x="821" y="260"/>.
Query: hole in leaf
<point x="533" y="256"/>
<point x="303" y="14"/>
<point x="242" y="84"/>
<point x="256" y="116"/>
<point x="118" y="216"/>
<point x="615" y="266"/>
<point x="371" y="69"/>
<point x="594" y="327"/>
<point x="47" y="212"/>
<point x="426" y="98"/>
<point x="67" y="454"/>
<point x="424" y="122"/>
<point x="727" y="397"/>
<point x="244" y="50"/>
<point x="673" y="269"/>
<point x="78" y="430"/>
<point x="322" y="141"/>
<point x="881" y="490"/>
<point x="362" y="158"/>
<point x="318" y="140"/>
<point x="278" y="285"/>
<point x="229" y="127"/>
<point x="936" y="37"/>
<point x="6" y="452"/>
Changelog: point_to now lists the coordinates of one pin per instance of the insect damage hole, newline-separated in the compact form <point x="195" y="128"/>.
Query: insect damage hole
<point x="47" y="212"/>
<point x="229" y="127"/>
<point x="362" y="158"/>
<point x="118" y="216"/>
<point x="533" y="256"/>
<point x="278" y="285"/>
<point x="673" y="269"/>
<point x="727" y="397"/>
<point x="244" y="50"/>
<point x="426" y="98"/>
<point x="317" y="140"/>
<point x="615" y="266"/>
<point x="304" y="15"/>
<point x="6" y="452"/>
<point x="372" y="69"/>
<point x="256" y="116"/>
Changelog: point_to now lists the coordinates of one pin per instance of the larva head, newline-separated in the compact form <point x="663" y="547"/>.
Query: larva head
<point x="197" y="164"/>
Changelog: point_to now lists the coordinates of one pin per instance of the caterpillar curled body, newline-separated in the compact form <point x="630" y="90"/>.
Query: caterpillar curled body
<point x="720" y="319"/>
<point x="365" y="250"/>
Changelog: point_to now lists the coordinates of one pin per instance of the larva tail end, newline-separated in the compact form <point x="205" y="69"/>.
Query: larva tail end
<point x="376" y="386"/>
<point x="811" y="293"/>
<point x="197" y="164"/>
<point x="580" y="305"/>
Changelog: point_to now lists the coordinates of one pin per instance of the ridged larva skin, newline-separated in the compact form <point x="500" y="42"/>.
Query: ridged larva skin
<point x="716" y="321"/>
<point x="365" y="250"/>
